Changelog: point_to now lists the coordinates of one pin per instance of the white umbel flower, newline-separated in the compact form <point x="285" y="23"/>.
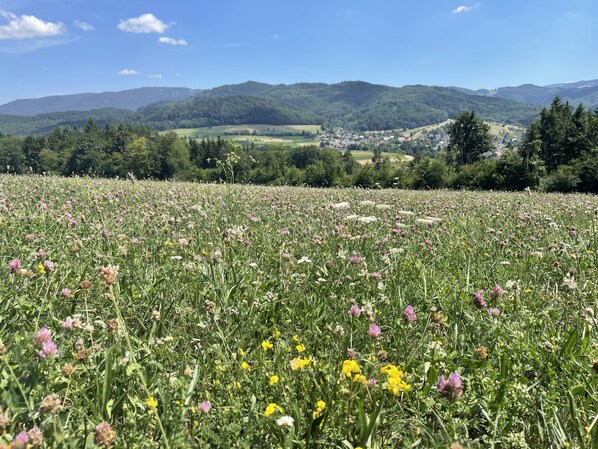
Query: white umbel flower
<point x="286" y="421"/>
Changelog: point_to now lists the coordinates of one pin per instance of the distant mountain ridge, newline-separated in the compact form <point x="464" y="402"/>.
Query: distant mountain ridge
<point x="580" y="92"/>
<point x="352" y="104"/>
<point x="131" y="99"/>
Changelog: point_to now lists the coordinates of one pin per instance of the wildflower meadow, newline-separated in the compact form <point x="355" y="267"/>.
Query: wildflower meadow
<point x="145" y="314"/>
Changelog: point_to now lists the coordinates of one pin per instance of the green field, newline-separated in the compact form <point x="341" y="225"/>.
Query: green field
<point x="259" y="134"/>
<point x="496" y="129"/>
<point x="165" y="314"/>
<point x="365" y="157"/>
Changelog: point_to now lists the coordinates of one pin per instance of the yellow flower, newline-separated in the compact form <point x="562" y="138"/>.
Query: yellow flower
<point x="273" y="379"/>
<point x="299" y="363"/>
<point x="351" y="367"/>
<point x="241" y="352"/>
<point x="266" y="345"/>
<point x="296" y="338"/>
<point x="41" y="269"/>
<point x="394" y="383"/>
<point x="151" y="403"/>
<point x="360" y="378"/>
<point x="271" y="409"/>
<point x="300" y="348"/>
<point x="320" y="406"/>
<point x="276" y="333"/>
<point x="245" y="366"/>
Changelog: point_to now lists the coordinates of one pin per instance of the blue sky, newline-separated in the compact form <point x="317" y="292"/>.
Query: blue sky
<point x="52" y="47"/>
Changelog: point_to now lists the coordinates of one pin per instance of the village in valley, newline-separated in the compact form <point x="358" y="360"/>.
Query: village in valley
<point x="427" y="139"/>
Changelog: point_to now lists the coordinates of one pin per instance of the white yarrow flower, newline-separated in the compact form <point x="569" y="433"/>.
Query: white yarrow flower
<point x="286" y="420"/>
<point x="343" y="205"/>
<point x="367" y="219"/>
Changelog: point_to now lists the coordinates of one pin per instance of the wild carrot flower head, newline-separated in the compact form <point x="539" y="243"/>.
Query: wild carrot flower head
<point x="285" y="421"/>
<point x="452" y="388"/>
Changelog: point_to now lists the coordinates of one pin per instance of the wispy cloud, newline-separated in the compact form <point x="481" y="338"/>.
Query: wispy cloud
<point x="27" y="27"/>
<point x="464" y="9"/>
<point x="145" y="23"/>
<point x="83" y="25"/>
<point x="171" y="41"/>
<point x="155" y="76"/>
<point x="128" y="72"/>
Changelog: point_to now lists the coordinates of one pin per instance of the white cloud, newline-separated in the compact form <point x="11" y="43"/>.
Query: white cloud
<point x="275" y="36"/>
<point x="128" y="72"/>
<point x="156" y="76"/>
<point x="461" y="9"/>
<point x="27" y="27"/>
<point x="83" y="25"/>
<point x="145" y="23"/>
<point x="171" y="41"/>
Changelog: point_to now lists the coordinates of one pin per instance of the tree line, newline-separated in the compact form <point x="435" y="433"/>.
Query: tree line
<point x="559" y="152"/>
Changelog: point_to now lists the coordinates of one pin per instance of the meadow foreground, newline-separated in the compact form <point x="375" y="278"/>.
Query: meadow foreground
<point x="155" y="314"/>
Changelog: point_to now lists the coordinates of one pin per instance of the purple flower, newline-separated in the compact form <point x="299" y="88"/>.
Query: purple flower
<point x="20" y="441"/>
<point x="376" y="275"/>
<point x="452" y="388"/>
<point x="66" y="292"/>
<point x="69" y="324"/>
<point x="355" y="311"/>
<point x="43" y="335"/>
<point x="374" y="330"/>
<point x="356" y="259"/>
<point x="478" y="299"/>
<point x="205" y="406"/>
<point x="409" y="314"/>
<point x="14" y="265"/>
<point x="496" y="292"/>
<point x="49" y="350"/>
<point x="49" y="265"/>
<point x="36" y="437"/>
<point x="494" y="311"/>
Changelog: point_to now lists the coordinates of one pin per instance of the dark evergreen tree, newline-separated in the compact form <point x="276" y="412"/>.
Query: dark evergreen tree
<point x="469" y="139"/>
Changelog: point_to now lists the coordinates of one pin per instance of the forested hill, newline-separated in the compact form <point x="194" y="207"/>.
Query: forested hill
<point x="234" y="110"/>
<point x="365" y="106"/>
<point x="353" y="104"/>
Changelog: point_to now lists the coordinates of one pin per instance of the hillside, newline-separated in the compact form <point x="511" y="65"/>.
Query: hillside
<point x="127" y="99"/>
<point x="234" y="110"/>
<point x="581" y="92"/>
<point x="45" y="123"/>
<point x="353" y="105"/>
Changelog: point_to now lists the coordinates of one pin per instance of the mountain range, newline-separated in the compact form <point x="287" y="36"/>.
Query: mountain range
<point x="352" y="104"/>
